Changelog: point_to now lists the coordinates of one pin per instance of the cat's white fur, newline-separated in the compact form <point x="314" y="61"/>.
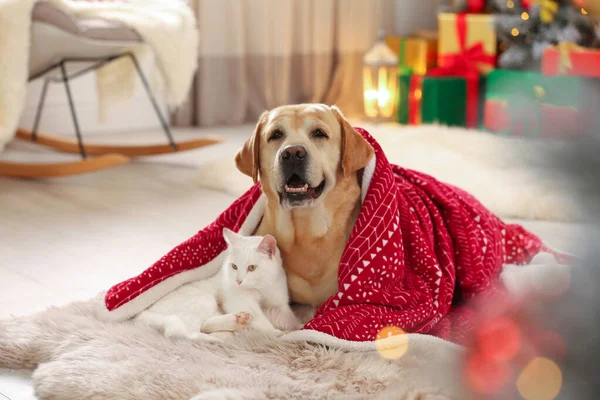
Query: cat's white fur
<point x="264" y="289"/>
<point x="232" y="299"/>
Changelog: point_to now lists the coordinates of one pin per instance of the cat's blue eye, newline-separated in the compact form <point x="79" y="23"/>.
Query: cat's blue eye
<point x="233" y="266"/>
<point x="251" y="267"/>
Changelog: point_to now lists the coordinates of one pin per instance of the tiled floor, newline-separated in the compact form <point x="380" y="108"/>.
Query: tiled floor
<point x="67" y="239"/>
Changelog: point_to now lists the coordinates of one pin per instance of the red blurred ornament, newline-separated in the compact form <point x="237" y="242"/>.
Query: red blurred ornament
<point x="475" y="6"/>
<point x="499" y="338"/>
<point x="485" y="376"/>
<point x="526" y="4"/>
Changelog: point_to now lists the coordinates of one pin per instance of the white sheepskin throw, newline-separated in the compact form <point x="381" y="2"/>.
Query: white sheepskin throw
<point x="169" y="32"/>
<point x="15" y="22"/>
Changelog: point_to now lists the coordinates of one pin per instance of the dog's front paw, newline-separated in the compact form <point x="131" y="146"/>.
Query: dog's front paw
<point x="242" y="319"/>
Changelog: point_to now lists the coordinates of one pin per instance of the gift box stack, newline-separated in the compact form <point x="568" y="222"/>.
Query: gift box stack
<point x="440" y="74"/>
<point x="548" y="75"/>
<point x="520" y="67"/>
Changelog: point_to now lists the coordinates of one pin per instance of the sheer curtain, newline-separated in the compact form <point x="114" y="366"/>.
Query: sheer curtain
<point x="258" y="54"/>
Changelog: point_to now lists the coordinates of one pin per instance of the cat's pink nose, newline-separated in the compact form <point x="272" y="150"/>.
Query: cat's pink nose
<point x="238" y="282"/>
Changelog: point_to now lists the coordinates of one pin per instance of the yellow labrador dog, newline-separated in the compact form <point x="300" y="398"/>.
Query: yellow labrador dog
<point x="309" y="161"/>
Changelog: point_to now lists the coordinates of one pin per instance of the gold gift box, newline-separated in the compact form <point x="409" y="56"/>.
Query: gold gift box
<point x="420" y="53"/>
<point x="479" y="28"/>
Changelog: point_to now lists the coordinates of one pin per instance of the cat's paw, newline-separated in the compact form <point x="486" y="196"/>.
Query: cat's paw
<point x="242" y="319"/>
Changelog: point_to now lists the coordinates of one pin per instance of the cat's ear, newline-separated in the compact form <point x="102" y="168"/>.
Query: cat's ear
<point x="230" y="236"/>
<point x="268" y="246"/>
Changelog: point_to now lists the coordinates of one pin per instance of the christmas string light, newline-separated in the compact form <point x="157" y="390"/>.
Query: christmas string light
<point x="527" y="31"/>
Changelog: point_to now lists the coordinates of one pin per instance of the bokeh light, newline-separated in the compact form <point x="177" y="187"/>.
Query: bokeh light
<point x="485" y="376"/>
<point x="499" y="339"/>
<point x="418" y="94"/>
<point x="391" y="342"/>
<point x="541" y="379"/>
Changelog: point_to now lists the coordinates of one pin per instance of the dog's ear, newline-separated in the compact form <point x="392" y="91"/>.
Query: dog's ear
<point x="247" y="159"/>
<point x="356" y="151"/>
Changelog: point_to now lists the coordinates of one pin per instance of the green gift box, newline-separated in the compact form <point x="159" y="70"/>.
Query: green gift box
<point x="558" y="90"/>
<point x="416" y="55"/>
<point x="404" y="75"/>
<point x="531" y="104"/>
<point x="440" y="100"/>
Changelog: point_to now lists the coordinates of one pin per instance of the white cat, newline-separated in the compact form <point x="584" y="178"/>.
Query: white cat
<point x="250" y="281"/>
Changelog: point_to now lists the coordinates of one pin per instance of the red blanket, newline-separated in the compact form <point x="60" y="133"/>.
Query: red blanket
<point x="416" y="240"/>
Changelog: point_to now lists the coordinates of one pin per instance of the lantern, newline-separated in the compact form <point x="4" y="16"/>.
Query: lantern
<point x="380" y="81"/>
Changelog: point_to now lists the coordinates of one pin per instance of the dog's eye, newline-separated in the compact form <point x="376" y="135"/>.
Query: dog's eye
<point x="233" y="266"/>
<point x="318" y="133"/>
<point x="251" y="268"/>
<point x="277" y="134"/>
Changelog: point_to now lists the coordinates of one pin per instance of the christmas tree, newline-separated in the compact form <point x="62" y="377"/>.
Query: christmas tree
<point x="526" y="27"/>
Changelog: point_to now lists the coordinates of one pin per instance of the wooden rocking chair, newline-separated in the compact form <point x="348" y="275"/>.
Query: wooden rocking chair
<point x="57" y="40"/>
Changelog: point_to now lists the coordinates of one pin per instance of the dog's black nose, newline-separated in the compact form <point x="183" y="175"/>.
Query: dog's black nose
<point x="293" y="153"/>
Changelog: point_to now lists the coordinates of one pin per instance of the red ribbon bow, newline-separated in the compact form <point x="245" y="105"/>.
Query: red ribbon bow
<point x="465" y="63"/>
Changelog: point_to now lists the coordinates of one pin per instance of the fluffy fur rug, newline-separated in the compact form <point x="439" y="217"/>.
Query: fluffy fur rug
<point x="81" y="357"/>
<point x="513" y="177"/>
<point x="78" y="356"/>
<point x="15" y="23"/>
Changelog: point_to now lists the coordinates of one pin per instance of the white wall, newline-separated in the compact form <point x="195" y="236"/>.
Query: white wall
<point x="56" y="119"/>
<point x="410" y="15"/>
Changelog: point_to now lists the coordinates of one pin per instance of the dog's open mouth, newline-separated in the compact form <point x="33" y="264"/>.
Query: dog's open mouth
<point x="297" y="187"/>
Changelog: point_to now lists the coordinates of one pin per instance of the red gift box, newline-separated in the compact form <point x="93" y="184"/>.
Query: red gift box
<point x="569" y="59"/>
